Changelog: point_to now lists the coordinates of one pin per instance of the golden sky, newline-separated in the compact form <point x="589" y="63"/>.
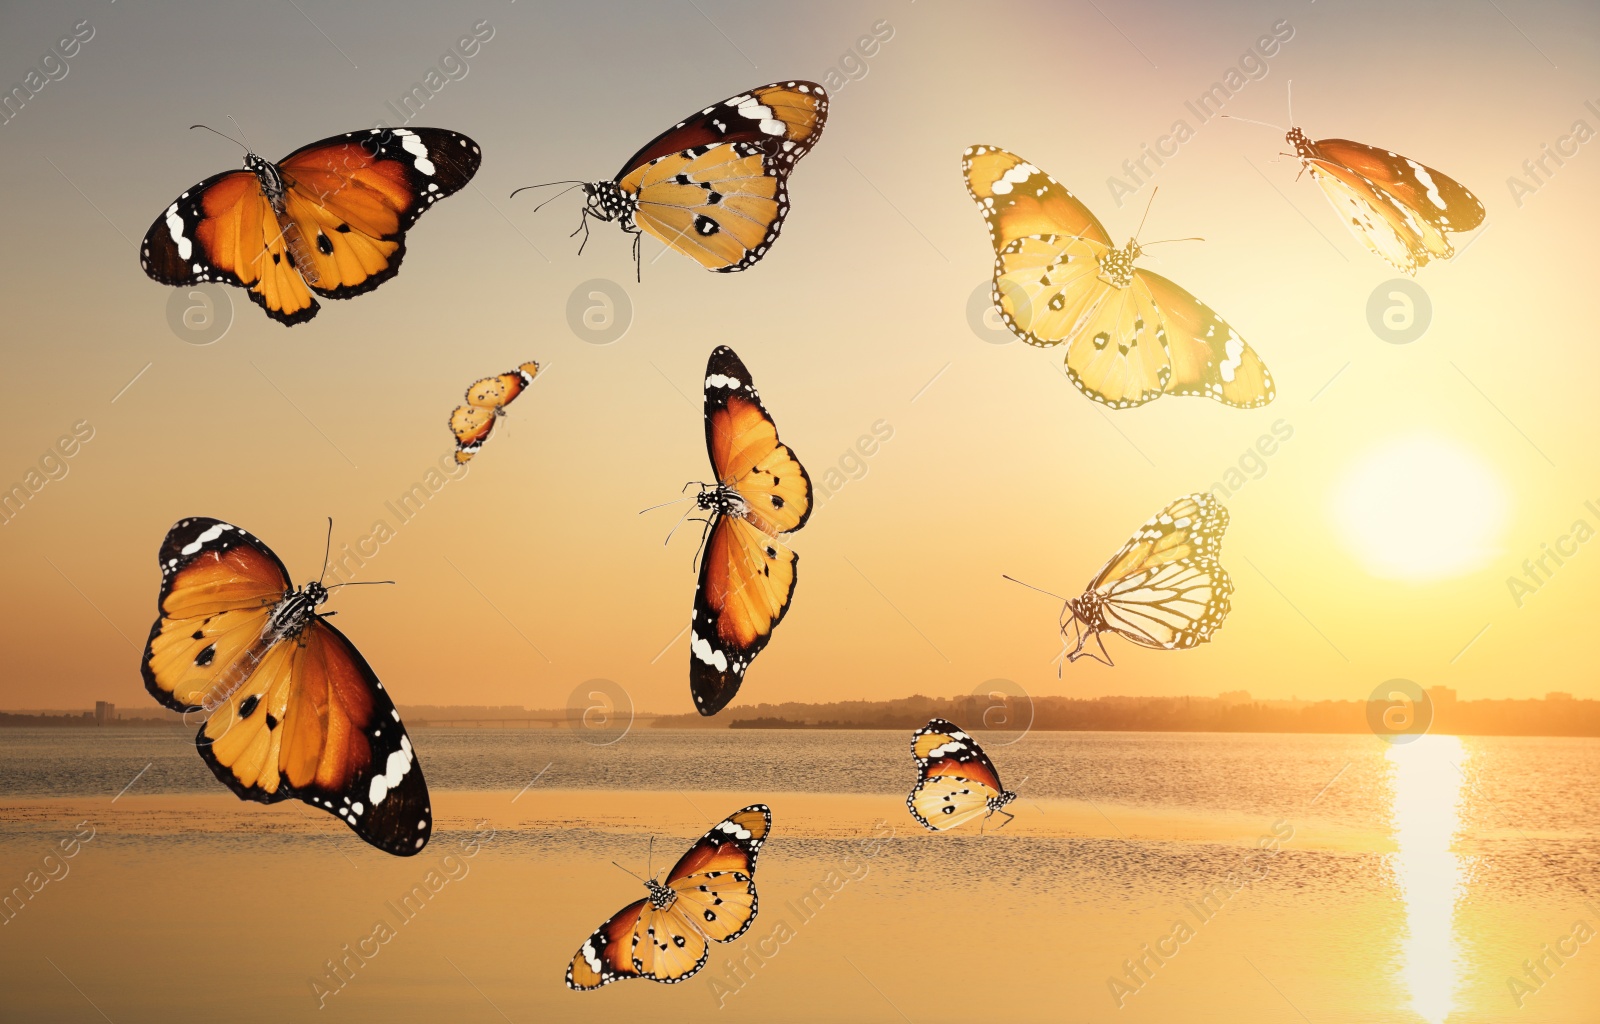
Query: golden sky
<point x="534" y="571"/>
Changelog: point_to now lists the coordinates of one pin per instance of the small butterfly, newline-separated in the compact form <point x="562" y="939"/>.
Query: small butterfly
<point x="956" y="781"/>
<point x="1164" y="589"/>
<point x="747" y="575"/>
<point x="1398" y="207"/>
<point x="292" y="708"/>
<point x="330" y="218"/>
<point x="714" y="186"/>
<point x="708" y="896"/>
<point x="1131" y="335"/>
<point x="486" y="402"/>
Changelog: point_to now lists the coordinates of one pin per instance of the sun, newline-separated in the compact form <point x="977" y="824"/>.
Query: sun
<point x="1420" y="508"/>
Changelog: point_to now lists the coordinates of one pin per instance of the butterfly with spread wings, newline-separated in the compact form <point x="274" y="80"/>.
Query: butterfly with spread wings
<point x="329" y="219"/>
<point x="291" y="708"/>
<point x="1165" y="588"/>
<point x="956" y="781"/>
<point x="486" y="402"/>
<point x="715" y="186"/>
<point x="1401" y="209"/>
<point x="1131" y="335"/>
<point x="747" y="573"/>
<point x="708" y="896"/>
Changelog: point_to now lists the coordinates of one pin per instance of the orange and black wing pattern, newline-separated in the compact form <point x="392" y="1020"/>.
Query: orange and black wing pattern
<point x="291" y="708"/>
<point x="708" y="896"/>
<point x="473" y="422"/>
<point x="1401" y="209"/>
<point x="747" y="573"/>
<point x="330" y="219"/>
<point x="715" y="185"/>
<point x="955" y="778"/>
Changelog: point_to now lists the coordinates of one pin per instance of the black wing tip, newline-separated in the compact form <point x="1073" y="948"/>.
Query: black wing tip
<point x="286" y="319"/>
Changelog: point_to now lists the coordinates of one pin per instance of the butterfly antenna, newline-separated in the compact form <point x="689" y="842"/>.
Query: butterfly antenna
<point x="1030" y="586"/>
<point x="650" y="857"/>
<point x="1164" y="241"/>
<point x="213" y="131"/>
<point x="572" y="183"/>
<point x="664" y="504"/>
<point x="1148" y="203"/>
<point x="361" y="583"/>
<point x="327" y="549"/>
<point x="1291" y="100"/>
<point x="619" y="867"/>
<point x="676" y="525"/>
<point x="1251" y="120"/>
<point x="242" y="135"/>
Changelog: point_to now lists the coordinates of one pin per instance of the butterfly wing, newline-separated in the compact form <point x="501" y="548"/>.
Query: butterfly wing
<point x="1434" y="196"/>
<point x="715" y="186"/>
<point x="224" y="229"/>
<point x="352" y="197"/>
<point x="1172" y="606"/>
<point x="1190" y="527"/>
<point x="715" y="879"/>
<point x="607" y="955"/>
<point x="1165" y="588"/>
<point x="955" y="779"/>
<point x="298" y="716"/>
<point x="1207" y="357"/>
<point x="1017" y="199"/>
<point x="472" y="423"/>
<point x="747" y="577"/>
<point x="219" y="584"/>
<point x="472" y="426"/>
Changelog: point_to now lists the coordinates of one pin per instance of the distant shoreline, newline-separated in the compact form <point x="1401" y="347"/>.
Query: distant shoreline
<point x="1556" y="715"/>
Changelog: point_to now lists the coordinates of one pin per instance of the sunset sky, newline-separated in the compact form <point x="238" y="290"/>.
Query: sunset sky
<point x="1375" y="541"/>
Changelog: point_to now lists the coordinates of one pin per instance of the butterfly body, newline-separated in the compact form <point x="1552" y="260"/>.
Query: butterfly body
<point x="327" y="220"/>
<point x="291" y="708"/>
<point x="714" y="186"/>
<point x="956" y="781"/>
<point x="1131" y="336"/>
<point x="1400" y="209"/>
<point x="708" y="896"/>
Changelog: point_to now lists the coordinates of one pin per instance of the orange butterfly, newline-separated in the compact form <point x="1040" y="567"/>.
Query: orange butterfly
<point x="1131" y="335"/>
<point x="747" y="575"/>
<point x="486" y="402"/>
<point x="956" y="781"/>
<point x="292" y="708"/>
<point x="330" y="218"/>
<point x="714" y="186"/>
<point x="1165" y="587"/>
<point x="708" y="896"/>
<point x="1398" y="207"/>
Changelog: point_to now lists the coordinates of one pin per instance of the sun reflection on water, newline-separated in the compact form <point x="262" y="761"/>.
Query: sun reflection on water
<point x="1427" y="813"/>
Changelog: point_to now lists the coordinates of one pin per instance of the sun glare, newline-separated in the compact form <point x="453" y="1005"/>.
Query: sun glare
<point x="1421" y="508"/>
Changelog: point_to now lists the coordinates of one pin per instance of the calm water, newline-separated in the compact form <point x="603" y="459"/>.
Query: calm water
<point x="1548" y="786"/>
<point x="1493" y="846"/>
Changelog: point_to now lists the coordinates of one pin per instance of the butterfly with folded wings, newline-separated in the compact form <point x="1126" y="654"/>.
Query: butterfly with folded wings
<point x="708" y="896"/>
<point x="329" y="219"/>
<point x="1164" y="589"/>
<point x="956" y="781"/>
<point x="1401" y="209"/>
<point x="714" y="186"/>
<point x="1131" y="335"/>
<point x="291" y="708"/>
<point x="487" y="399"/>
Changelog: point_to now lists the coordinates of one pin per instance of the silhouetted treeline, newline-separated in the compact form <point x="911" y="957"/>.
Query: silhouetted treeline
<point x="1556" y="716"/>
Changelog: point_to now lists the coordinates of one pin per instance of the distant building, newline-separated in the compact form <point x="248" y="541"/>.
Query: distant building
<point x="1441" y="695"/>
<point x="1557" y="695"/>
<point x="104" y="712"/>
<point x="1234" y="697"/>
